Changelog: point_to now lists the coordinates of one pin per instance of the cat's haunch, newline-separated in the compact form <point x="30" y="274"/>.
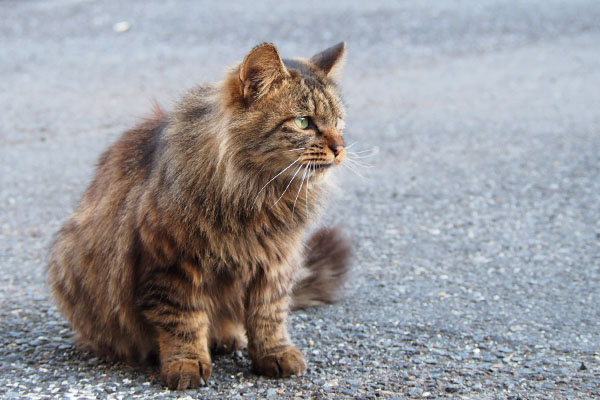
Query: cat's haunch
<point x="191" y="236"/>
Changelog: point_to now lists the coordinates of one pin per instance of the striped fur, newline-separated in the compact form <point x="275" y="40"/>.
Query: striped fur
<point x="190" y="236"/>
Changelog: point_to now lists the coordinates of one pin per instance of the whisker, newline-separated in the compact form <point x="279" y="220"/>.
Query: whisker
<point x="298" y="149"/>
<point x="374" y="150"/>
<point x="288" y="185"/>
<point x="359" y="156"/>
<point x="350" y="145"/>
<point x="351" y="168"/>
<point x="365" y="153"/>
<point x="307" y="181"/>
<point x="299" y="189"/>
<point x="272" y="179"/>
<point x="360" y="164"/>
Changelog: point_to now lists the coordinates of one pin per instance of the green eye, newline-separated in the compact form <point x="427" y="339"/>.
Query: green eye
<point x="301" y="122"/>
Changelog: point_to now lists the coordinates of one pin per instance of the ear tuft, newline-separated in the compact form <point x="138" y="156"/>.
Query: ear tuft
<point x="260" y="69"/>
<point x="331" y="60"/>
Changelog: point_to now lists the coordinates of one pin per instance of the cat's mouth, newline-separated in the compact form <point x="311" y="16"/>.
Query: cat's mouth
<point x="320" y="167"/>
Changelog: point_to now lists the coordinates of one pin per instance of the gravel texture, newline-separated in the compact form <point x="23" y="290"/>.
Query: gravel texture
<point x="476" y="272"/>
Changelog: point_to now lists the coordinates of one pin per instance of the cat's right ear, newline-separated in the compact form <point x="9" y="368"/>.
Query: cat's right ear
<point x="261" y="68"/>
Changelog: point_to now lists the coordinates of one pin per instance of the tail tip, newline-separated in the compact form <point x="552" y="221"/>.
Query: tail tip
<point x="327" y="253"/>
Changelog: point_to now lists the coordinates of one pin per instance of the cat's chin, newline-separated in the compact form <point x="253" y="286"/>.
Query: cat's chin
<point x="320" y="172"/>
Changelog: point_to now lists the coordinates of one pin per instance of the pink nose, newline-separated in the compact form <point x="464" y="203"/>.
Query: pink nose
<point x="336" y="148"/>
<point x="339" y="152"/>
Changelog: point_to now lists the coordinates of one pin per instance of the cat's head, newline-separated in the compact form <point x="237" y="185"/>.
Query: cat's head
<point x="287" y="115"/>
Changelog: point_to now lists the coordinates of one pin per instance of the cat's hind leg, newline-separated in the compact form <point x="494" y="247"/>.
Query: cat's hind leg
<point x="227" y="335"/>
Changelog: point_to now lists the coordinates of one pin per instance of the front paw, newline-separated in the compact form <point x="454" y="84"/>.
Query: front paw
<point x="185" y="373"/>
<point x="286" y="362"/>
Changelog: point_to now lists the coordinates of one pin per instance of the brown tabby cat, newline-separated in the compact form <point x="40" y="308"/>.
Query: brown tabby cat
<point x="190" y="236"/>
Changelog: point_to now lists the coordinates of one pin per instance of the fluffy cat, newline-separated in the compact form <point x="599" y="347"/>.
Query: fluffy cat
<point x="190" y="236"/>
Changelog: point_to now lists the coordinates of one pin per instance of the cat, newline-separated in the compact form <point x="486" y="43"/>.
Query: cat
<point x="190" y="236"/>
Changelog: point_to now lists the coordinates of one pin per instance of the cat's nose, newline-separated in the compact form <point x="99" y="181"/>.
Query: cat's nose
<point x="336" y="145"/>
<point x="336" y="148"/>
<point x="339" y="152"/>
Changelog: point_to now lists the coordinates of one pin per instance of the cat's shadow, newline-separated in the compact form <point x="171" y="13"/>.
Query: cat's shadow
<point x="40" y="339"/>
<point x="55" y="352"/>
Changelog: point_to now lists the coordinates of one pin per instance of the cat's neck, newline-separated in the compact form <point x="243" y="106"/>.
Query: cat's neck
<point x="258" y="196"/>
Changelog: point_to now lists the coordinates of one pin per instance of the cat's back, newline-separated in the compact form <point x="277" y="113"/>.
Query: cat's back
<point x="109" y="200"/>
<point x="90" y="270"/>
<point x="128" y="172"/>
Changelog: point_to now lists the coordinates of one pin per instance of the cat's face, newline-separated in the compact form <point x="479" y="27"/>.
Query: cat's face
<point x="292" y="117"/>
<point x="307" y="123"/>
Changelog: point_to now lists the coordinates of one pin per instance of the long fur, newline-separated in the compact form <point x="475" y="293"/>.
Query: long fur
<point x="324" y="271"/>
<point x="190" y="236"/>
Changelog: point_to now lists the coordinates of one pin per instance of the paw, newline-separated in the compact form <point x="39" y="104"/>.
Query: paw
<point x="185" y="373"/>
<point x="227" y="345"/>
<point x="286" y="362"/>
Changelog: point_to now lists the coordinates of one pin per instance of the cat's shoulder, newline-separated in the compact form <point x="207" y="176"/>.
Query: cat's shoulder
<point x="198" y="103"/>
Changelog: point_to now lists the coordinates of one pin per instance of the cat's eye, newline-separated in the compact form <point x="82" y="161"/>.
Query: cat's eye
<point x="301" y="122"/>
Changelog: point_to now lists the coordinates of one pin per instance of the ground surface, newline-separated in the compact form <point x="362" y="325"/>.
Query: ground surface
<point x="477" y="232"/>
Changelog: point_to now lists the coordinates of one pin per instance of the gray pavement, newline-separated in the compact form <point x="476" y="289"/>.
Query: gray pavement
<point x="476" y="272"/>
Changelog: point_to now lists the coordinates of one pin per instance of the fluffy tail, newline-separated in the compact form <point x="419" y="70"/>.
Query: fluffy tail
<point x="324" y="271"/>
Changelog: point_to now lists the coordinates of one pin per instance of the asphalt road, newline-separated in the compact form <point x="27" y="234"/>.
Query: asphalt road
<point x="476" y="272"/>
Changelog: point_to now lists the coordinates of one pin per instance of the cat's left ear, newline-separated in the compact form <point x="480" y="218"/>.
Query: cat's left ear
<point x="331" y="61"/>
<point x="261" y="68"/>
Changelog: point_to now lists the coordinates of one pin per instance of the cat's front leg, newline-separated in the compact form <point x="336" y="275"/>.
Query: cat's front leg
<point x="182" y="323"/>
<point x="184" y="361"/>
<point x="271" y="350"/>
